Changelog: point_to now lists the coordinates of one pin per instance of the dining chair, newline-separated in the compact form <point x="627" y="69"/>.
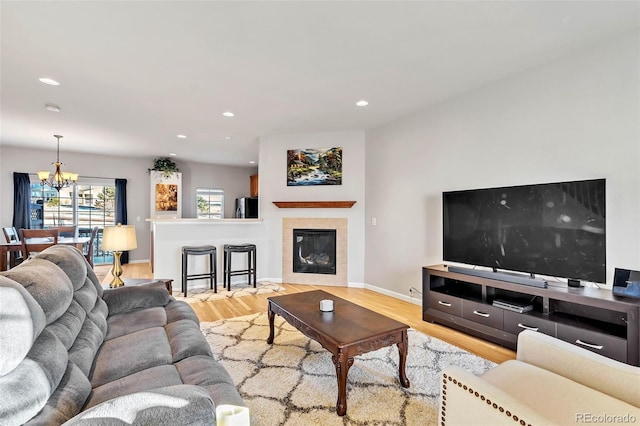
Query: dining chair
<point x="66" y="231"/>
<point x="11" y="235"/>
<point x="36" y="240"/>
<point x="88" y="251"/>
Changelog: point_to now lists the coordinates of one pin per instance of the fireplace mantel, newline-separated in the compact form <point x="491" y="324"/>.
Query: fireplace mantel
<point x="314" y="204"/>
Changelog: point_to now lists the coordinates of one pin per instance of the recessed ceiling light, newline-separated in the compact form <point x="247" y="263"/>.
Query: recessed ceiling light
<point x="49" y="81"/>
<point x="172" y="154"/>
<point x="182" y="136"/>
<point x="52" y="107"/>
<point x="228" y="114"/>
<point x="252" y="162"/>
<point x="227" y="138"/>
<point x="362" y="103"/>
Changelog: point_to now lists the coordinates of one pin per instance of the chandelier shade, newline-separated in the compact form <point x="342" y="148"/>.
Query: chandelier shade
<point x="58" y="179"/>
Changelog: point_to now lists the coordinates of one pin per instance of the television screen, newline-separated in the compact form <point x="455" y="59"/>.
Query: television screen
<point x="554" y="229"/>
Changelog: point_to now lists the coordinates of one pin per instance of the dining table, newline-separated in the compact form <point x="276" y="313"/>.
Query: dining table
<point x="6" y="248"/>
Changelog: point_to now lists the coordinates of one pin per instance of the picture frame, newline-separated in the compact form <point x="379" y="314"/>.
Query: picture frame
<point x="314" y="166"/>
<point x="166" y="194"/>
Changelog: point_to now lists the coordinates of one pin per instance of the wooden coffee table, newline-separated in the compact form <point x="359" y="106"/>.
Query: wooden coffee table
<point x="348" y="331"/>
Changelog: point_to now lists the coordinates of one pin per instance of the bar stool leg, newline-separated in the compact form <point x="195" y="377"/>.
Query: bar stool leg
<point x="210" y="270"/>
<point x="229" y="271"/>
<point x="184" y="274"/>
<point x="249" y="268"/>
<point x="215" y="273"/>
<point x="254" y="259"/>
<point x="226" y="270"/>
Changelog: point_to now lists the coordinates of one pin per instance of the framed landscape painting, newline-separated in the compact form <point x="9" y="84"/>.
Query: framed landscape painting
<point x="314" y="166"/>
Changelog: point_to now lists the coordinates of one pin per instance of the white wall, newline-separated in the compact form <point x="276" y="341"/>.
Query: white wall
<point x="235" y="181"/>
<point x="571" y="119"/>
<point x="273" y="187"/>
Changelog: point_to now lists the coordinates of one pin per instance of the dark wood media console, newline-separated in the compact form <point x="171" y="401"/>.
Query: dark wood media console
<point x="588" y="317"/>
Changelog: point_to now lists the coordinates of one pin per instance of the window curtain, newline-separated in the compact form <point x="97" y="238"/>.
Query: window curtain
<point x="121" y="210"/>
<point x="21" y="201"/>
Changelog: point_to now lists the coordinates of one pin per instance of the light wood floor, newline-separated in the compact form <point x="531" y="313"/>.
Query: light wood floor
<point x="399" y="310"/>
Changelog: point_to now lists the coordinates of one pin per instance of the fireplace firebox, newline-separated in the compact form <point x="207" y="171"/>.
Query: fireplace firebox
<point x="314" y="251"/>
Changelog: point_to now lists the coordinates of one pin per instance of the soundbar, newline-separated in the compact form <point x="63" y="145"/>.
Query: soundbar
<point x="500" y="276"/>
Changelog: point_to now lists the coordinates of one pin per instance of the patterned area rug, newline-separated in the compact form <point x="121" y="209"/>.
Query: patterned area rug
<point x="195" y="295"/>
<point x="293" y="381"/>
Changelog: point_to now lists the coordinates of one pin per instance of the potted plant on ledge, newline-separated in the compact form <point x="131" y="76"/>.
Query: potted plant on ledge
<point x="164" y="165"/>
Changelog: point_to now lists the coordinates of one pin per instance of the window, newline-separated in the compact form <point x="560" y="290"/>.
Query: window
<point x="95" y="206"/>
<point x="210" y="203"/>
<point x="48" y="208"/>
<point x="85" y="204"/>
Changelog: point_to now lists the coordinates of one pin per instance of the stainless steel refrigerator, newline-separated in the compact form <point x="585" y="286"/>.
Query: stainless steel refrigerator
<point x="247" y="208"/>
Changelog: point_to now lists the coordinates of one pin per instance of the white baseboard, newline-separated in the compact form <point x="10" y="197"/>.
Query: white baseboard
<point x="395" y="295"/>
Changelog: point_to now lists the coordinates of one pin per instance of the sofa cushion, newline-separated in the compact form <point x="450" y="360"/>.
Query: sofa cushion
<point x="73" y="263"/>
<point x="150" y="378"/>
<point x="178" y="310"/>
<point x="85" y="346"/>
<point x="21" y="321"/>
<point x="186" y="340"/>
<point x="69" y="324"/>
<point x="129" y="354"/>
<point x="171" y="405"/>
<point x="26" y="389"/>
<point x="53" y="294"/>
<point x="67" y="400"/>
<point x="206" y="371"/>
<point x="563" y="400"/>
<point x="130" y="322"/>
<point x="126" y="299"/>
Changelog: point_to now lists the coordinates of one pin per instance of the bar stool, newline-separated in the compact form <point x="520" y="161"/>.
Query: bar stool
<point x="229" y="249"/>
<point x="212" y="275"/>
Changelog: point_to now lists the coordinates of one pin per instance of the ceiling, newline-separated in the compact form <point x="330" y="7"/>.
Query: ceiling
<point x="134" y="74"/>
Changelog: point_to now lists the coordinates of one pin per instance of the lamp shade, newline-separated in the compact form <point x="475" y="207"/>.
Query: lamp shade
<point x="119" y="238"/>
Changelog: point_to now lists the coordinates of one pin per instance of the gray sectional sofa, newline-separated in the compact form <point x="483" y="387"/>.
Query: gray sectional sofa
<point x="71" y="352"/>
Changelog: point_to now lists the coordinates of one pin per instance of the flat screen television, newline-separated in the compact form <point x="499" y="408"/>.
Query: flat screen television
<point x="553" y="229"/>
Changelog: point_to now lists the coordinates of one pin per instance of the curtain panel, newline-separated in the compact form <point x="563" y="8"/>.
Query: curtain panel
<point x="121" y="210"/>
<point x="21" y="200"/>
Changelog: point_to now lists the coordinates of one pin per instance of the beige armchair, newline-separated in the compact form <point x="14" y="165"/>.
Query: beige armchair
<point x="551" y="382"/>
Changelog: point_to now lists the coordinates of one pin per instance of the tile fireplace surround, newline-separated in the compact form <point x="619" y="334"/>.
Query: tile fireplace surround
<point x="340" y="225"/>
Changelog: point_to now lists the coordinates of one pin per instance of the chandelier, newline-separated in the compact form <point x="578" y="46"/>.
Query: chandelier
<point x="59" y="179"/>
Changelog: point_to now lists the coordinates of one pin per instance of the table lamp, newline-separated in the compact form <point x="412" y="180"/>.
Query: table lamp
<point x="117" y="239"/>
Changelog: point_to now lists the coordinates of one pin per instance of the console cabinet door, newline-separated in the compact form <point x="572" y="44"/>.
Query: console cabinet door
<point x="482" y="313"/>
<point x="515" y="323"/>
<point x="603" y="344"/>
<point x="445" y="303"/>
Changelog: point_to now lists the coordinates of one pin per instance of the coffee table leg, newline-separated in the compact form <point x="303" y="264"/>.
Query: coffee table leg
<point x="402" y="351"/>
<point x="342" y="364"/>
<point x="272" y="316"/>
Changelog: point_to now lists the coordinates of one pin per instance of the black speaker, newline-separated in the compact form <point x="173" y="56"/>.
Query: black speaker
<point x="573" y="283"/>
<point x="626" y="282"/>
